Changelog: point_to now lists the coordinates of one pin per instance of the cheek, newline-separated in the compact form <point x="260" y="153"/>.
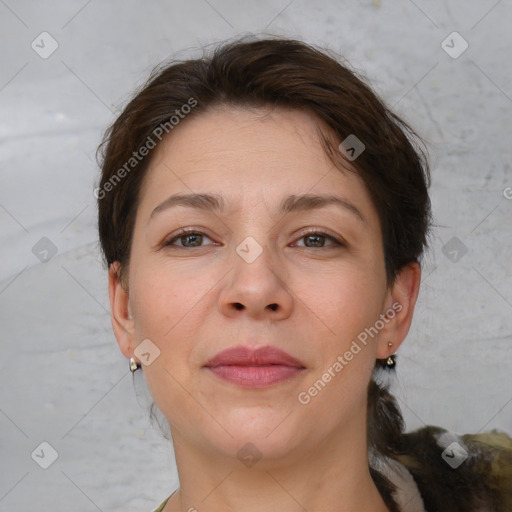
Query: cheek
<point x="164" y="312"/>
<point x="160" y="308"/>
<point x="342" y="303"/>
<point x="171" y="309"/>
<point x="161" y="298"/>
<point x="344" y="306"/>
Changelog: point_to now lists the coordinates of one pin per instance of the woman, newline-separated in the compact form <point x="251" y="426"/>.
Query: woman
<point x="263" y="214"/>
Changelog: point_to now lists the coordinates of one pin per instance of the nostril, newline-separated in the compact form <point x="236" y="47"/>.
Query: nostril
<point x="239" y="306"/>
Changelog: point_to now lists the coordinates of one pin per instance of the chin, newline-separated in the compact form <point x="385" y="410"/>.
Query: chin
<point x="273" y="432"/>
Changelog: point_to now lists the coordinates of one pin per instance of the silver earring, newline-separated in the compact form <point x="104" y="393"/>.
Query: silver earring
<point x="134" y="365"/>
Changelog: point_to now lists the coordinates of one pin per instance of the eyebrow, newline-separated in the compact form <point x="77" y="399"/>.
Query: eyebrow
<point x="292" y="203"/>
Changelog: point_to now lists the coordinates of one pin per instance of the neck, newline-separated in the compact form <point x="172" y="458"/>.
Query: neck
<point x="332" y="477"/>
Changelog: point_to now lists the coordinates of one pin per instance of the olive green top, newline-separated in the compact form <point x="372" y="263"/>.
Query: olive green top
<point x="161" y="507"/>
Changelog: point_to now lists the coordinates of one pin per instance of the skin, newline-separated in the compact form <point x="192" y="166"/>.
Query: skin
<point x="198" y="297"/>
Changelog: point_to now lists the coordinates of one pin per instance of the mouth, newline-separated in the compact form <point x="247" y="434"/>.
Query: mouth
<point x="262" y="367"/>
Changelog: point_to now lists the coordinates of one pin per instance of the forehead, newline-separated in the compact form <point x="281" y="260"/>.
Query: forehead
<point x="237" y="135"/>
<point x="256" y="153"/>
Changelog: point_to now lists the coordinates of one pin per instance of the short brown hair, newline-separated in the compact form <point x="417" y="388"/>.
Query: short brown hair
<point x="273" y="71"/>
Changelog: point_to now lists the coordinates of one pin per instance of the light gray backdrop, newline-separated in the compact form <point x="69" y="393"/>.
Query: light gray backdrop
<point x="62" y="379"/>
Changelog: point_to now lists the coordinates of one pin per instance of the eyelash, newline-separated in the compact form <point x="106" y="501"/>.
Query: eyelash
<point x="192" y="231"/>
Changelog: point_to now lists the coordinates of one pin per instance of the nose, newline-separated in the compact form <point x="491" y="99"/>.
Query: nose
<point x="256" y="289"/>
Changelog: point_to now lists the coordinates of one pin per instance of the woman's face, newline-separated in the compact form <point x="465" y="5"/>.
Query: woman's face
<point x="253" y="274"/>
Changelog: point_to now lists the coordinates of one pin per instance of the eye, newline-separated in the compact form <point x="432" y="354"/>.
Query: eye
<point x="316" y="240"/>
<point x="188" y="237"/>
<point x="193" y="238"/>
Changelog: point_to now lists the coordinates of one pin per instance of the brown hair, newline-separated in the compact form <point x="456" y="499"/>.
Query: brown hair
<point x="277" y="72"/>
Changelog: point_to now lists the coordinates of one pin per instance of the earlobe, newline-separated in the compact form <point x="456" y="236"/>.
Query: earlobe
<point x="120" y="311"/>
<point x="402" y="300"/>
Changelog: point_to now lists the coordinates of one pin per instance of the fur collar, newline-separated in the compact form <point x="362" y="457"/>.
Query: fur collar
<point x="407" y="495"/>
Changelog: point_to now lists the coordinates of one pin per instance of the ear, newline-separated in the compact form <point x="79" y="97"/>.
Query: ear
<point x="122" y="321"/>
<point x="400" y="304"/>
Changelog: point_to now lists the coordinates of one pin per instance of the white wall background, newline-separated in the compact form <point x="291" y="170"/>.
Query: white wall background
<point x="62" y="377"/>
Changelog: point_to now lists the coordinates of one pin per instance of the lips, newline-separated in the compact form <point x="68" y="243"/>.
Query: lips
<point x="244" y="356"/>
<point x="251" y="368"/>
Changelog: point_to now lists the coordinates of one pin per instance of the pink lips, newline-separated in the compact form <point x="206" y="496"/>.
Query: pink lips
<point x="254" y="368"/>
